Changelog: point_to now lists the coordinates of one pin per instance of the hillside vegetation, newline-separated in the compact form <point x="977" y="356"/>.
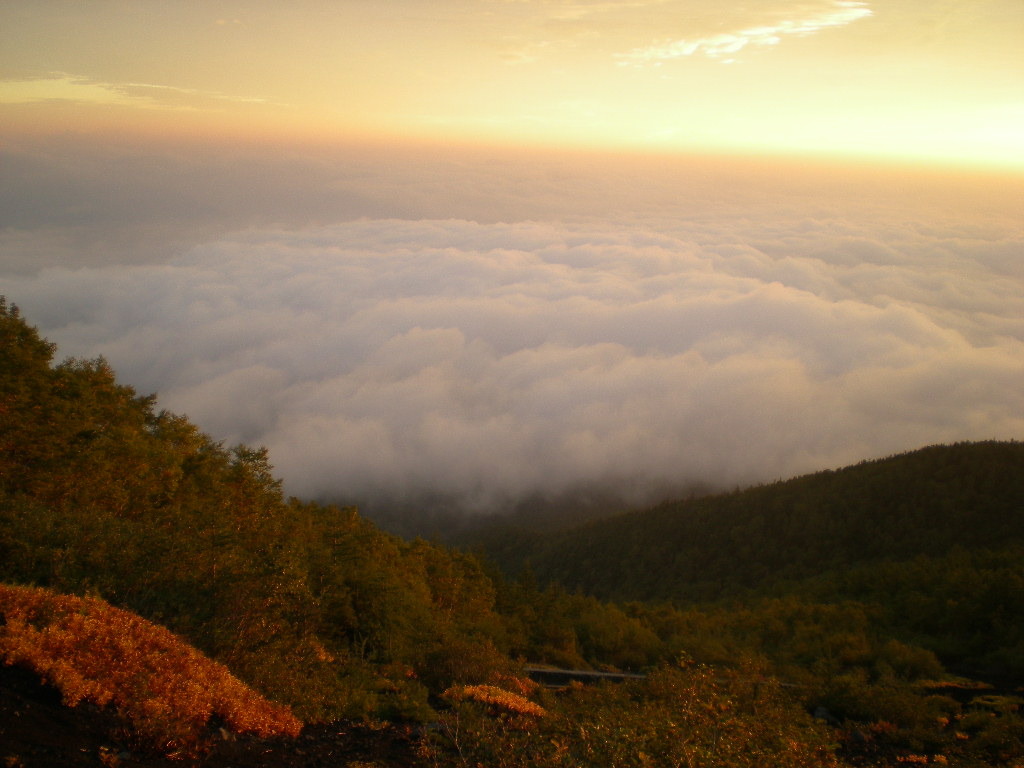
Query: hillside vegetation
<point x="105" y="497"/>
<point x="934" y="539"/>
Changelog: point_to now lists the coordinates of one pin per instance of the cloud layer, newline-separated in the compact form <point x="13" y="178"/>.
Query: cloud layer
<point x="386" y="360"/>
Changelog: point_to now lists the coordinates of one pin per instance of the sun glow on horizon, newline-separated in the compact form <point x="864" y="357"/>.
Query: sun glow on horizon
<point x="848" y="78"/>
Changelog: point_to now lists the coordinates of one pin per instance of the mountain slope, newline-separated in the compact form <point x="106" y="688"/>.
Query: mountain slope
<point x="103" y="496"/>
<point x="924" y="503"/>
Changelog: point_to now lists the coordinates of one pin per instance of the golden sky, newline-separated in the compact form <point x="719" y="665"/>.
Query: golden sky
<point x="917" y="80"/>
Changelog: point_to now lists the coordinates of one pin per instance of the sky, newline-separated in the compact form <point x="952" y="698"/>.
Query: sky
<point x="926" y="79"/>
<point x="494" y="250"/>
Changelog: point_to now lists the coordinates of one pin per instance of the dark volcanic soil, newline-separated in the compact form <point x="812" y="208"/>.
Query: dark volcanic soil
<point x="38" y="731"/>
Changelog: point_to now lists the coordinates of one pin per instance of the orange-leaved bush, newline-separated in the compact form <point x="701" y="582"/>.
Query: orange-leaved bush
<point x="496" y="697"/>
<point x="95" y="652"/>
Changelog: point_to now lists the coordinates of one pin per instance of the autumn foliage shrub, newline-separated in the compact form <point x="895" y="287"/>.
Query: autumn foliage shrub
<point x="498" y="699"/>
<point x="167" y="690"/>
<point x="676" y="717"/>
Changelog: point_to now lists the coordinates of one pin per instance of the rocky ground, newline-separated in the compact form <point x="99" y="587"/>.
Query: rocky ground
<point x="38" y="731"/>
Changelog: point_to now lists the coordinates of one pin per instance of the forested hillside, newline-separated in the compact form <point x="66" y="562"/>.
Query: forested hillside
<point x="101" y="493"/>
<point x="105" y="496"/>
<point x="933" y="538"/>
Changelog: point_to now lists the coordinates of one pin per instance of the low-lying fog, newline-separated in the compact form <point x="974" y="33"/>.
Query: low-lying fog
<point x="488" y="327"/>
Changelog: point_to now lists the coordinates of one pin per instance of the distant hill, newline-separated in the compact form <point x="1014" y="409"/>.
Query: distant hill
<point x="928" y="502"/>
<point x="932" y="541"/>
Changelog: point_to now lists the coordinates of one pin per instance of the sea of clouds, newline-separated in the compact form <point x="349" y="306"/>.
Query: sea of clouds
<point x="390" y="359"/>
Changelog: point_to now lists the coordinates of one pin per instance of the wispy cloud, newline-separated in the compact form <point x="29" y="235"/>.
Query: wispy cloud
<point x="61" y="86"/>
<point x="724" y="45"/>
